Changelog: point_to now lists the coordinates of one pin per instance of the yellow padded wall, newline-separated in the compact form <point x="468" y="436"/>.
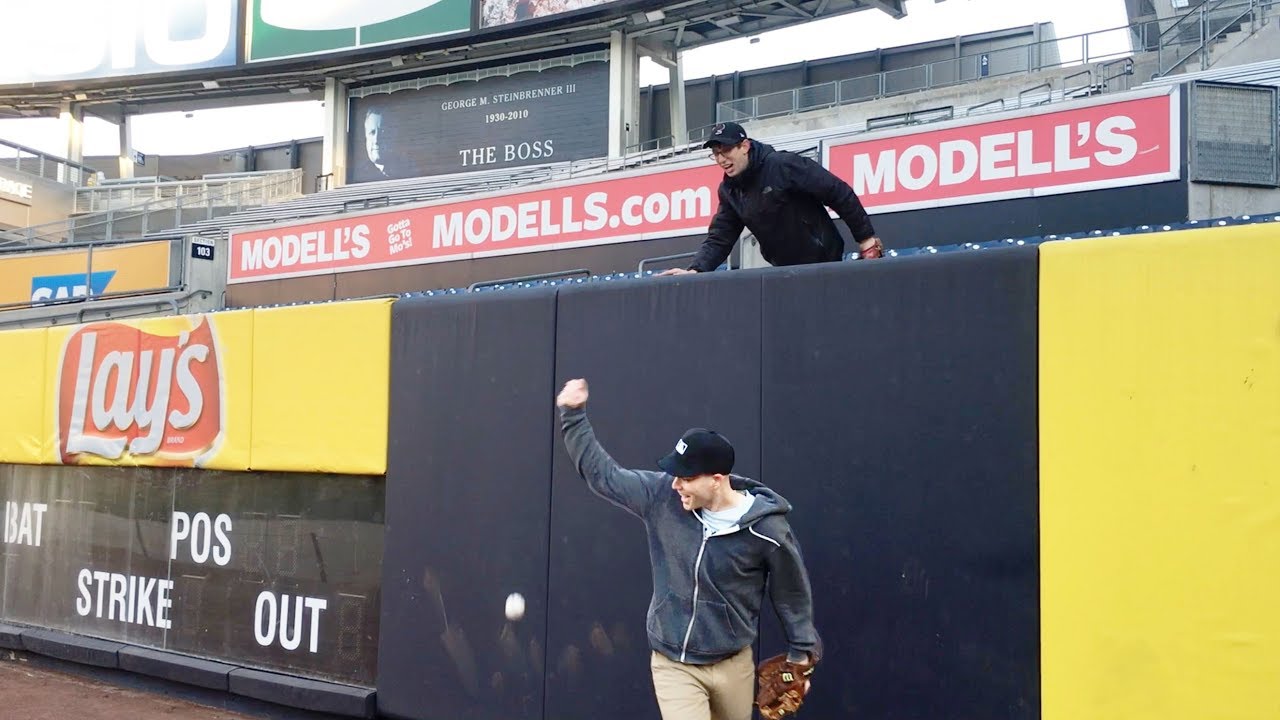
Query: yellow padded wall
<point x="1160" y="476"/>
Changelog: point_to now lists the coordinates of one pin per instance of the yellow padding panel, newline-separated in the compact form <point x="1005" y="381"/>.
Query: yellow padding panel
<point x="24" y="436"/>
<point x="1160" y="476"/>
<point x="320" y="387"/>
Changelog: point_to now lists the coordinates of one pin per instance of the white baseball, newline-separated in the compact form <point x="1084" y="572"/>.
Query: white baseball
<point x="515" y="606"/>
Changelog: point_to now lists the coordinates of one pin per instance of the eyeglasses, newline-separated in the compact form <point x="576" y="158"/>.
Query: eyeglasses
<point x="719" y="150"/>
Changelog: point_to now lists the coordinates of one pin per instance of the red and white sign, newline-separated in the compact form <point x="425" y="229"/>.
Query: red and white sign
<point x="134" y="397"/>
<point x="659" y="204"/>
<point x="1101" y="144"/>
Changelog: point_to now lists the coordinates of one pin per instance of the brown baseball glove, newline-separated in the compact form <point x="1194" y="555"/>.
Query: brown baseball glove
<point x="875" y="251"/>
<point x="782" y="687"/>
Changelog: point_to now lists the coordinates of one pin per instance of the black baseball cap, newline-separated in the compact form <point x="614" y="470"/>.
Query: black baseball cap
<point x="729" y="133"/>
<point x="699" y="452"/>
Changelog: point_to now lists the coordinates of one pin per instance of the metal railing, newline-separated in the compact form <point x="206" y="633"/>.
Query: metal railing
<point x="988" y="106"/>
<point x="635" y="155"/>
<point x="663" y="259"/>
<point x="1038" y="95"/>
<point x="584" y="272"/>
<point x="96" y="305"/>
<point x="915" y="117"/>
<point x="1115" y="75"/>
<point x="122" y="212"/>
<point x="268" y="186"/>
<point x="41" y="164"/>
<point x="1102" y="45"/>
<point x="658" y="143"/>
<point x="1192" y="35"/>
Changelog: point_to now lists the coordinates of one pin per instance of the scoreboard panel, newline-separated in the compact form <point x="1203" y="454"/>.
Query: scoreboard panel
<point x="279" y="571"/>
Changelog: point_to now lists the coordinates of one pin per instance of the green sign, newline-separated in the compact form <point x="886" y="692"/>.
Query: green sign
<point x="292" y="28"/>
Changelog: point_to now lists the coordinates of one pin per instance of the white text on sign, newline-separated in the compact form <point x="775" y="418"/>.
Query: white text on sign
<point x="205" y="537"/>
<point x="24" y="523"/>
<point x="270" y="613"/>
<point x="124" y="598"/>
<point x="996" y="157"/>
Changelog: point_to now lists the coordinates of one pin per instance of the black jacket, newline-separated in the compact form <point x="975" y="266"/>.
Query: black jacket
<point x="780" y="197"/>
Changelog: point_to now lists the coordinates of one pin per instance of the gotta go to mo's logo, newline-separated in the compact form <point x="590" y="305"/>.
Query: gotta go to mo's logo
<point x="132" y="396"/>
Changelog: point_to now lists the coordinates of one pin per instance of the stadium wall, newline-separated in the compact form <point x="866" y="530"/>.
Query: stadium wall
<point x="27" y="200"/>
<point x="1035" y="217"/>
<point x="1159" y="419"/>
<point x="179" y="501"/>
<point x="1030" y="483"/>
<point x="520" y="520"/>
<point x="1205" y="200"/>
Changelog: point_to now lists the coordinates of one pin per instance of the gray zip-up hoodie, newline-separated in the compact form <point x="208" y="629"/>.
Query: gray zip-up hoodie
<point x="707" y="591"/>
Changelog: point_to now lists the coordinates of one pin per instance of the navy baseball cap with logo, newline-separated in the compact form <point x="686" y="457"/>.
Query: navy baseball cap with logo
<point x="699" y="452"/>
<point x="729" y="133"/>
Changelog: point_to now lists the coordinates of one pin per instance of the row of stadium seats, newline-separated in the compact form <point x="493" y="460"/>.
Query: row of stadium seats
<point x="907" y="252"/>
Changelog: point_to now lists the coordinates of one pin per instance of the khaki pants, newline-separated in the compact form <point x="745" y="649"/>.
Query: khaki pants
<point x="723" y="691"/>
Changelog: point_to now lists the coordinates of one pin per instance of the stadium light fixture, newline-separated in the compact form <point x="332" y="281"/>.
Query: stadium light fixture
<point x="210" y="84"/>
<point x="397" y="61"/>
<point x="655" y="15"/>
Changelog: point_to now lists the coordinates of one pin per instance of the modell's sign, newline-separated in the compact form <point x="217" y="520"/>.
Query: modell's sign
<point x="640" y="206"/>
<point x="1087" y="146"/>
<point x="133" y="397"/>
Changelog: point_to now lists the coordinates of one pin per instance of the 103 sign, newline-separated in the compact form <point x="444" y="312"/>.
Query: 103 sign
<point x="122" y="37"/>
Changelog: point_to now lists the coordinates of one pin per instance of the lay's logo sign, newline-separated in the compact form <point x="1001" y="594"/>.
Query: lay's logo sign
<point x="127" y="396"/>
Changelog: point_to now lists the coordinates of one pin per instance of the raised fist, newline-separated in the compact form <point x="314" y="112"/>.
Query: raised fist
<point x="574" y="394"/>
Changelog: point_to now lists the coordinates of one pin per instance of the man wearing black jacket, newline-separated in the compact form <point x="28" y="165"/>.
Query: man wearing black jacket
<point x="783" y="198"/>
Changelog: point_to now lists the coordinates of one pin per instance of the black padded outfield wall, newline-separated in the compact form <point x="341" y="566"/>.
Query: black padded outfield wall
<point x="1035" y="217"/>
<point x="660" y="357"/>
<point x="469" y="468"/>
<point x="893" y="404"/>
<point x="278" y="571"/>
<point x="1065" y="214"/>
<point x="900" y="416"/>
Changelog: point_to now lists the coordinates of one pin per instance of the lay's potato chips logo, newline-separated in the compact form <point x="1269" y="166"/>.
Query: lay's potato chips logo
<point x="130" y="396"/>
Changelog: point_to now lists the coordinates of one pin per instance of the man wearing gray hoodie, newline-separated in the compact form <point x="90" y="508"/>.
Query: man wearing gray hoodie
<point x="714" y="540"/>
